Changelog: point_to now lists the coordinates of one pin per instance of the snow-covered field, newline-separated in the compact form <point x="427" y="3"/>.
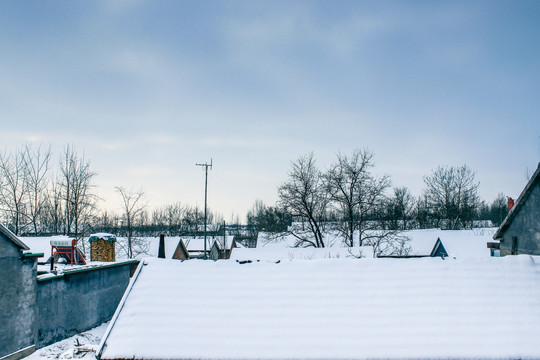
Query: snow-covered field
<point x="458" y="243"/>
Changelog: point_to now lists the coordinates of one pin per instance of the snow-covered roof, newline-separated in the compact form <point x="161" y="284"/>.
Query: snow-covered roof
<point x="423" y="308"/>
<point x="104" y="236"/>
<point x="13" y="238"/>
<point x="197" y="244"/>
<point x="171" y="242"/>
<point x="533" y="181"/>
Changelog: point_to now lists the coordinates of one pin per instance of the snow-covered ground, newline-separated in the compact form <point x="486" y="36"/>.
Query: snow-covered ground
<point x="292" y="254"/>
<point x="81" y="346"/>
<point x="458" y="243"/>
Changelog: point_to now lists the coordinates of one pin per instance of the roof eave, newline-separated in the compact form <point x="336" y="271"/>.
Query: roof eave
<point x="13" y="238"/>
<point x="518" y="205"/>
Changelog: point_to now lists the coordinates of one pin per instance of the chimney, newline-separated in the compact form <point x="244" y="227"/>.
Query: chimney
<point x="510" y="203"/>
<point x="161" y="251"/>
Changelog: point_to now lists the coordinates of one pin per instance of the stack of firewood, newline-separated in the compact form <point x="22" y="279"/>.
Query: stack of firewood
<point x="103" y="250"/>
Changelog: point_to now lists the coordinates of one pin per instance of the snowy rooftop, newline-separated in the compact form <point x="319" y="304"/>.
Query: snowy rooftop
<point x="330" y="309"/>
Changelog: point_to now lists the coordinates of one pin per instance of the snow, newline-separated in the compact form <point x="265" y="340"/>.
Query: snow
<point x="458" y="243"/>
<point x="102" y="235"/>
<point x="291" y="254"/>
<point x="42" y="244"/>
<point x="331" y="309"/>
<point x="81" y="346"/>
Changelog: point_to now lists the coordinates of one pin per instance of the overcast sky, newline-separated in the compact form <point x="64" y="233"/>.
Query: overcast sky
<point x="147" y="89"/>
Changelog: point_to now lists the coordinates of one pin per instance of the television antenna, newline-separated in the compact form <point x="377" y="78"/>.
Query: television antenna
<point x="206" y="167"/>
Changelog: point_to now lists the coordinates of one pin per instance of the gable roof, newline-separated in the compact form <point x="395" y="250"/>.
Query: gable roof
<point x="197" y="244"/>
<point x="180" y="253"/>
<point x="13" y="238"/>
<point x="329" y="309"/>
<point x="533" y="181"/>
<point x="438" y="249"/>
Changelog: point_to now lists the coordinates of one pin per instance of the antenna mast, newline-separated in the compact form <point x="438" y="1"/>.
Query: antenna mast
<point x="206" y="166"/>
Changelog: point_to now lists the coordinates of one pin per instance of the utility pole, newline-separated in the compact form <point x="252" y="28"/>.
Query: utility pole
<point x="206" y="166"/>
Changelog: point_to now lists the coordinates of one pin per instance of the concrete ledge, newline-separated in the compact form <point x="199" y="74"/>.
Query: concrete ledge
<point x="89" y="268"/>
<point x="20" y="354"/>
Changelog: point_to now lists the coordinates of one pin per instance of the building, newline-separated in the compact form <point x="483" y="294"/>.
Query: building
<point x="519" y="232"/>
<point x="196" y="249"/>
<point x="18" y="287"/>
<point x="37" y="310"/>
<point x="181" y="252"/>
<point x="424" y="308"/>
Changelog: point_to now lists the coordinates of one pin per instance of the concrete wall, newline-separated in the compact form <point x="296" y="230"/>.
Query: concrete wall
<point x="18" y="312"/>
<point x="78" y="300"/>
<point x="525" y="227"/>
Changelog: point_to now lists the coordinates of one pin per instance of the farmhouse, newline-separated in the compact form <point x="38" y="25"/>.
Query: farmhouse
<point x="519" y="233"/>
<point x="180" y="252"/>
<point x="424" y="308"/>
<point x="18" y="286"/>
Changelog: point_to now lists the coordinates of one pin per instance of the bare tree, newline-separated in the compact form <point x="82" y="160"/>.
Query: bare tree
<point x="133" y="208"/>
<point x="357" y="194"/>
<point x="389" y="243"/>
<point x="53" y="214"/>
<point x="304" y="195"/>
<point x="14" y="189"/>
<point x="452" y="196"/>
<point x="77" y="190"/>
<point x="36" y="166"/>
<point x="400" y="209"/>
<point x="498" y="209"/>
<point x="268" y="218"/>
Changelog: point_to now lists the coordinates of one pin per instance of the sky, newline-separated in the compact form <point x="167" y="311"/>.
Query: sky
<point x="148" y="89"/>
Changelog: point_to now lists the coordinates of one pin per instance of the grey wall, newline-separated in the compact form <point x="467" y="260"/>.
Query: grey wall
<point x="18" y="311"/>
<point x="78" y="301"/>
<point x="525" y="226"/>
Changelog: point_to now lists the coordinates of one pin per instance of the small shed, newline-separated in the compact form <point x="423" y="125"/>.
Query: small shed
<point x="438" y="249"/>
<point x="181" y="252"/>
<point x="519" y="232"/>
<point x="196" y="248"/>
<point x="102" y="247"/>
<point x="227" y="244"/>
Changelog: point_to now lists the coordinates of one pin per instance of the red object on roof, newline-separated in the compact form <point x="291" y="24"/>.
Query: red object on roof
<point x="510" y="203"/>
<point x="68" y="250"/>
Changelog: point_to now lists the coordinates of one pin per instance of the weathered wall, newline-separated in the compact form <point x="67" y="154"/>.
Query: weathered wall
<point x="78" y="300"/>
<point x="525" y="227"/>
<point x="18" y="311"/>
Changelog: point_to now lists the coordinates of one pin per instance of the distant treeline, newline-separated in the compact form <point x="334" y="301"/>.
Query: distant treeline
<point x="37" y="198"/>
